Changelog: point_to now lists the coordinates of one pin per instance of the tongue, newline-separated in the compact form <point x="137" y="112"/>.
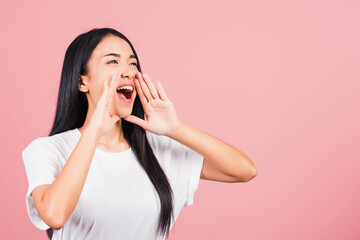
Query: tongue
<point x="126" y="95"/>
<point x="120" y="93"/>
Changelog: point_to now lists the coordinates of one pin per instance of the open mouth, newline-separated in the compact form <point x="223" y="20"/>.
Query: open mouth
<point x="125" y="92"/>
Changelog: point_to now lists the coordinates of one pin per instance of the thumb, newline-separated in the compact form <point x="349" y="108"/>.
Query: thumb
<point x="115" y="118"/>
<point x="136" y="120"/>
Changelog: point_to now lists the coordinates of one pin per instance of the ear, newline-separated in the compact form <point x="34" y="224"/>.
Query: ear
<point x="83" y="83"/>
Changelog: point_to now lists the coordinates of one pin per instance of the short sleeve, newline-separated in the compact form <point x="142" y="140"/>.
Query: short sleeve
<point x="42" y="167"/>
<point x="184" y="165"/>
<point x="195" y="161"/>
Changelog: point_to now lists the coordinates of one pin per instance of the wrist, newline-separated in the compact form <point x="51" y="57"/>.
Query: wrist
<point x="92" y="133"/>
<point x="177" y="130"/>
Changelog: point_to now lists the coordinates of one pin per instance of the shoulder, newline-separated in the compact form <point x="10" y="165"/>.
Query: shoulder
<point x="51" y="143"/>
<point x="161" y="142"/>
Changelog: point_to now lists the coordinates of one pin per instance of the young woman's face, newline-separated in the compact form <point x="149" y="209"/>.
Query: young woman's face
<point x="112" y="55"/>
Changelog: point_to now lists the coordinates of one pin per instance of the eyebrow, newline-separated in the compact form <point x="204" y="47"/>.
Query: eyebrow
<point x="118" y="55"/>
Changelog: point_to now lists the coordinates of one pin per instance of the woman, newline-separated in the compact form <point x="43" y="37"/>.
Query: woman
<point x="99" y="174"/>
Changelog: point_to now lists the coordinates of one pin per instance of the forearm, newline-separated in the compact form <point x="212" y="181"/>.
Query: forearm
<point x="222" y="155"/>
<point x="63" y="195"/>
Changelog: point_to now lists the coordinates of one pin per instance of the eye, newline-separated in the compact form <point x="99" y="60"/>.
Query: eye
<point x="135" y="64"/>
<point x="111" y="61"/>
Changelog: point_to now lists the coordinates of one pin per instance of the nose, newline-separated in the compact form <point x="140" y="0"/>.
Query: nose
<point x="128" y="74"/>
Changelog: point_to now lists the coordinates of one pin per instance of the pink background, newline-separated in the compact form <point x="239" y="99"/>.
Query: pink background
<point x="277" y="79"/>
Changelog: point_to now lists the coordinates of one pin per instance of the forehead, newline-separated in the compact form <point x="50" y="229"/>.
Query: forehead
<point x="111" y="44"/>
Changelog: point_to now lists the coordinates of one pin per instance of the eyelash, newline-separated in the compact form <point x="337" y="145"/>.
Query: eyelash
<point x="115" y="60"/>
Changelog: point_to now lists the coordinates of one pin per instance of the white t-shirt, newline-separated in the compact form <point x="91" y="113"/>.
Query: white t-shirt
<point x="118" y="200"/>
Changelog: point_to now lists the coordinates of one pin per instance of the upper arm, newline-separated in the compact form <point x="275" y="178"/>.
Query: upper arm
<point x="38" y="195"/>
<point x="42" y="166"/>
<point x="209" y="172"/>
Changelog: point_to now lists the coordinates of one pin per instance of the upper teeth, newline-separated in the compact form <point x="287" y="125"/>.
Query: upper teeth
<point x="126" y="87"/>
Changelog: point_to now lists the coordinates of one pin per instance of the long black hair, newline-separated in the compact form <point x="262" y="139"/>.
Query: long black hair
<point x="72" y="107"/>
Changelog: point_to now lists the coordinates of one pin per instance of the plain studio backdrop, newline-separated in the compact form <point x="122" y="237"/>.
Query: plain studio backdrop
<point x="279" y="80"/>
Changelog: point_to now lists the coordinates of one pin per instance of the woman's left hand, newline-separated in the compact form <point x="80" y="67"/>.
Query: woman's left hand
<point x="161" y="117"/>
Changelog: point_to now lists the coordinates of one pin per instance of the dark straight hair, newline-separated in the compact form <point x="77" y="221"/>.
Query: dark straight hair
<point x="72" y="107"/>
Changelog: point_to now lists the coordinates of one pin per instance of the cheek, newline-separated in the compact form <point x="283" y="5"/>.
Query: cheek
<point x="97" y="80"/>
<point x="95" y="90"/>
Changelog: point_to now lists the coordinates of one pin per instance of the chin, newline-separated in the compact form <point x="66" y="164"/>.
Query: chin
<point x="123" y="114"/>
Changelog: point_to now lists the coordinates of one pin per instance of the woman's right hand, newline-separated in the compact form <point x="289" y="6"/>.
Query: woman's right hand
<point x="101" y="119"/>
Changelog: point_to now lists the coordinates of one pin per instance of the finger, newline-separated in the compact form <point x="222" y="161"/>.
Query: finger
<point x="140" y="93"/>
<point x="104" y="92"/>
<point x="115" y="118"/>
<point x="107" y="98"/>
<point x="106" y="86"/>
<point x="136" y="120"/>
<point x="144" y="88"/>
<point x="114" y="84"/>
<point x="151" y="86"/>
<point x="110" y="89"/>
<point x="161" y="91"/>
